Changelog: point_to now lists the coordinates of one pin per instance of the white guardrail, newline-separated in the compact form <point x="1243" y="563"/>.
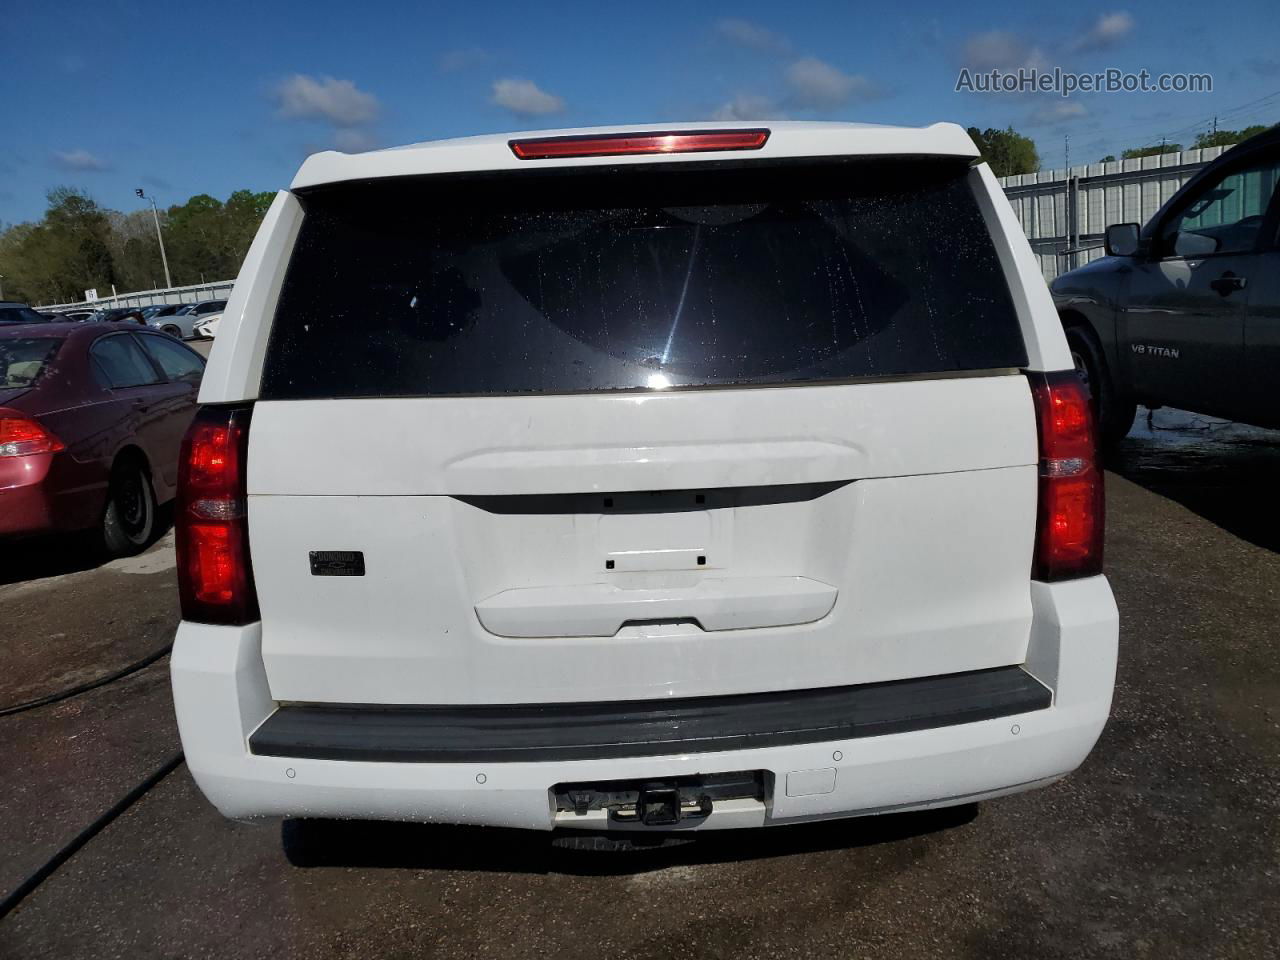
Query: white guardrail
<point x="218" y="290"/>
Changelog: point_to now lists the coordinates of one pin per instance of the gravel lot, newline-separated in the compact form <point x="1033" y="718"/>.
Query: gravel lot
<point x="1165" y="844"/>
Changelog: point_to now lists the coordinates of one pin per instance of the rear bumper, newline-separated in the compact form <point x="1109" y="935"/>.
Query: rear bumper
<point x="48" y="493"/>
<point x="222" y="701"/>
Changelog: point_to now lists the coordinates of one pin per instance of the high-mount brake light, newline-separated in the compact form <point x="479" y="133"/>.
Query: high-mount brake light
<point x="1070" y="521"/>
<point x="634" y="144"/>
<point x="21" y="435"/>
<point x="215" y="577"/>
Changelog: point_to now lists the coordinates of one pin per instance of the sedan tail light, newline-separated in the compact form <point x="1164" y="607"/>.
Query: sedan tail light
<point x="21" y="435"/>
<point x="1070" y="521"/>
<point x="215" y="577"/>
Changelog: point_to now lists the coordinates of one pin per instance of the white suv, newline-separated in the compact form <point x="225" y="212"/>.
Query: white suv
<point x="635" y="480"/>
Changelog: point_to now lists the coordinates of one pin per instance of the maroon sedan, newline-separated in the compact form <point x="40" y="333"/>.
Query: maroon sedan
<point x="91" y="419"/>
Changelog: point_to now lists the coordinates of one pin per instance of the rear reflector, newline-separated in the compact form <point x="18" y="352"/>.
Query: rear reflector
<point x="215" y="577"/>
<point x="21" y="436"/>
<point x="632" y="144"/>
<point x="1070" y="521"/>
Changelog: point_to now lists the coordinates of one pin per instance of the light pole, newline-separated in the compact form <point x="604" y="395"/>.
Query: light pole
<point x="168" y="281"/>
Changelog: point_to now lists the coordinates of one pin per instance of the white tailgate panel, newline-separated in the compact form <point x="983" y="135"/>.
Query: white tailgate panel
<point x="913" y="503"/>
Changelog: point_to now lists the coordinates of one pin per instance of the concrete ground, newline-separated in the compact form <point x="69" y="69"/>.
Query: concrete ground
<point x="1165" y="844"/>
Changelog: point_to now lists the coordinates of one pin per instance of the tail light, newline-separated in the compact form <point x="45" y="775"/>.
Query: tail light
<point x="1069" y="526"/>
<point x="632" y="144"/>
<point x="21" y="435"/>
<point x="215" y="578"/>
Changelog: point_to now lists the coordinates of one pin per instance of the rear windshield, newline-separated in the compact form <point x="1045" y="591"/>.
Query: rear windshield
<point x="675" y="275"/>
<point x="23" y="360"/>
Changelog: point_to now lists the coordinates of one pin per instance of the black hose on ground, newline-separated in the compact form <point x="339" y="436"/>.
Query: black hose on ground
<point x="42" y="873"/>
<point x="86" y="687"/>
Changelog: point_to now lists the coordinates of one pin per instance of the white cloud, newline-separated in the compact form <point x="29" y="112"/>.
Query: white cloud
<point x="79" y="161"/>
<point x="1000" y="50"/>
<point x="1054" y="112"/>
<point x="748" y="106"/>
<point x="334" y="101"/>
<point x="816" y="84"/>
<point x="451" y="61"/>
<point x="354" y="140"/>
<point x="1107" y="31"/>
<point x="752" y="35"/>
<point x="525" y="98"/>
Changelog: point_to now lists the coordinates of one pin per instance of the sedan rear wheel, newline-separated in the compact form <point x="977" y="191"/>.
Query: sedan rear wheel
<point x="172" y="331"/>
<point x="130" y="518"/>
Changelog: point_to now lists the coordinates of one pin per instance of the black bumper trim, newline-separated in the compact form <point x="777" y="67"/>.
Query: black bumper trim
<point x="643" y="728"/>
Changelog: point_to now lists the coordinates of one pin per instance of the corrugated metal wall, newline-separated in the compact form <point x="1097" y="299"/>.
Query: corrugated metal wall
<point x="1057" y="206"/>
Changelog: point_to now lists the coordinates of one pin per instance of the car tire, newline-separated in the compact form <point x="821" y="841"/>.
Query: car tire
<point x="1112" y="413"/>
<point x="129" y="521"/>
<point x="172" y="331"/>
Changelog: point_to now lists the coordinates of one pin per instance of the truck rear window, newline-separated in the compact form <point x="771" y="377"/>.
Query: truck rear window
<point x="626" y="278"/>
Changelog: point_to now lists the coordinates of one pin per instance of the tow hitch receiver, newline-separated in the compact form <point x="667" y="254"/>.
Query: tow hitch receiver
<point x="658" y="803"/>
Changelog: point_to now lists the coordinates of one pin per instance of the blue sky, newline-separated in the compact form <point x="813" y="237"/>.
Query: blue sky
<point x="212" y="97"/>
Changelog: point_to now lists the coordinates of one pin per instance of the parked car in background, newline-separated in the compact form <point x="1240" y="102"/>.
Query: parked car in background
<point x="13" y="312"/>
<point x="77" y="316"/>
<point x="118" y="315"/>
<point x="91" y="421"/>
<point x="208" y="327"/>
<point x="712" y="478"/>
<point x="162" y="310"/>
<point x="182" y="323"/>
<point x="1186" y="311"/>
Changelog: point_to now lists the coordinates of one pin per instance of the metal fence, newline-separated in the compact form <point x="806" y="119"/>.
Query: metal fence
<point x="1064" y="210"/>
<point x="218" y="290"/>
<point x="1061" y="211"/>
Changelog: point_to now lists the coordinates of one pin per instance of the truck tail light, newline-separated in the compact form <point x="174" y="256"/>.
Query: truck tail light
<point x="1070" y="520"/>
<point x="21" y="435"/>
<point x="632" y="144"/>
<point x="215" y="577"/>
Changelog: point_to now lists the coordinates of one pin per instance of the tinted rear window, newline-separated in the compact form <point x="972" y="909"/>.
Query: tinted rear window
<point x="23" y="360"/>
<point x="680" y="275"/>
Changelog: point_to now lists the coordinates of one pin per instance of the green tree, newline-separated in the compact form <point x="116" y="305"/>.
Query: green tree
<point x="1134" y="153"/>
<point x="65" y="253"/>
<point x="1109" y="158"/>
<point x="1007" y="151"/>
<point x="77" y="245"/>
<point x="207" y="238"/>
<point x="80" y="232"/>
<point x="134" y="250"/>
<point x="1225" y="138"/>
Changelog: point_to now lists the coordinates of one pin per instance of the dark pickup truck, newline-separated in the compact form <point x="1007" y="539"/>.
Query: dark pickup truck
<point x="1186" y="311"/>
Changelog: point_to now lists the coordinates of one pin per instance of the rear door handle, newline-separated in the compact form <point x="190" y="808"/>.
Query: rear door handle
<point x="1228" y="284"/>
<point x="601" y="610"/>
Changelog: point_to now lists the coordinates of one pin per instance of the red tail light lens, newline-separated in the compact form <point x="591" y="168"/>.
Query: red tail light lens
<point x="215" y="577"/>
<point x="631" y="144"/>
<point x="21" y="436"/>
<point x="1069" y="527"/>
